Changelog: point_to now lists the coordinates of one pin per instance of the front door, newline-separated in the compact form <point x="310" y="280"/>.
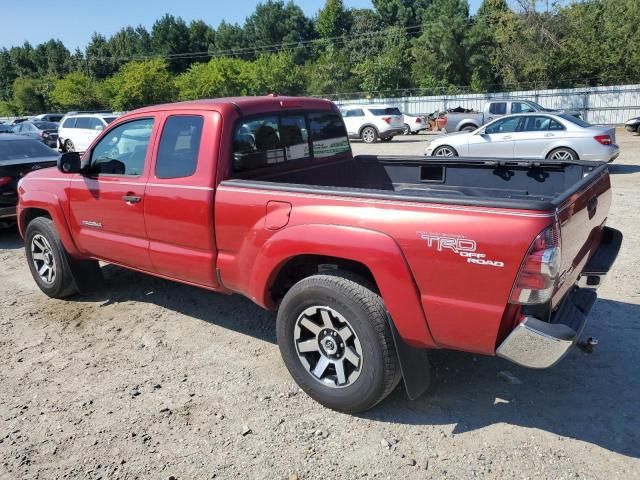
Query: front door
<point x="535" y="135"/>
<point x="495" y="140"/>
<point x="107" y="201"/>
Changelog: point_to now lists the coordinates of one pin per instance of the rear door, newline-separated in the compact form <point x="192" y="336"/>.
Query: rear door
<point x="353" y="120"/>
<point x="495" y="140"/>
<point x="535" y="135"/>
<point x="107" y="203"/>
<point x="179" y="197"/>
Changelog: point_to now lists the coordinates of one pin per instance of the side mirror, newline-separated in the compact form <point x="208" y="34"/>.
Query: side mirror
<point x="69" y="162"/>
<point x="98" y="127"/>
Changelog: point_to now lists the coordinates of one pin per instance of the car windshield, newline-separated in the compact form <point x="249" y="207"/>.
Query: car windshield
<point x="45" y="125"/>
<point x="385" y="111"/>
<point x="21" y="149"/>
<point x="574" y="120"/>
<point x="109" y="119"/>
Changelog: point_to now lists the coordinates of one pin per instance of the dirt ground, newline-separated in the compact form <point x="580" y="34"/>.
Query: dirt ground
<point x="151" y="379"/>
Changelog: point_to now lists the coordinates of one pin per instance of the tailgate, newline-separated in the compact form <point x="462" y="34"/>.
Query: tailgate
<point x="581" y="217"/>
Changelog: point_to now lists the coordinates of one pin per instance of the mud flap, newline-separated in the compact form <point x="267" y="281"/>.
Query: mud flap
<point x="414" y="365"/>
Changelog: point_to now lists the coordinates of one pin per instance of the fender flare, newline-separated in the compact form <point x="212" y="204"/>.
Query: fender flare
<point x="54" y="207"/>
<point x="379" y="252"/>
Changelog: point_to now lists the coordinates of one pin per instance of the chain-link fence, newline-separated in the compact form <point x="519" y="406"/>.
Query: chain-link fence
<point x="610" y="105"/>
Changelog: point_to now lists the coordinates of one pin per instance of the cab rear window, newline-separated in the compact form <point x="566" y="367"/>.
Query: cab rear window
<point x="272" y="139"/>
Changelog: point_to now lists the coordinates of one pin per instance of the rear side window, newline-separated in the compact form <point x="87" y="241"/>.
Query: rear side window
<point x="179" y="146"/>
<point x="83" y="122"/>
<point x="69" y="123"/>
<point x="535" y="124"/>
<point x="96" y="124"/>
<point x="354" y="113"/>
<point x="378" y="112"/>
<point x="498" y="108"/>
<point x="555" y="125"/>
<point x="271" y="139"/>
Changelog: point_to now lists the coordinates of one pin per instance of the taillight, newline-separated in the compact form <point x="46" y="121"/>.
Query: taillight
<point x="4" y="181"/>
<point x="387" y="119"/>
<point x="538" y="274"/>
<point x="418" y="120"/>
<point x="603" y="139"/>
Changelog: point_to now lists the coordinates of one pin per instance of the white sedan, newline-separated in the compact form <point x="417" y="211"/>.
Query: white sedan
<point x="531" y="136"/>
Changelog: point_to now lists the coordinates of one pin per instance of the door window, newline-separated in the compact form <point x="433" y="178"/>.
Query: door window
<point x="122" y="151"/>
<point x="498" y="108"/>
<point x="96" y="124"/>
<point x="69" y="123"/>
<point x="179" y="146"/>
<point x="505" y="125"/>
<point x="521" y="107"/>
<point x="83" y="122"/>
<point x="355" y="113"/>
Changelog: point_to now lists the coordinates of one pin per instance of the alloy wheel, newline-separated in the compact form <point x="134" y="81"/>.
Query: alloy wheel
<point x="445" y="152"/>
<point x="43" y="259"/>
<point x="328" y="347"/>
<point x="562" y="155"/>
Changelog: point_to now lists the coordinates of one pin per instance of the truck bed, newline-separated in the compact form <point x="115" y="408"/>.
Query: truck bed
<point x="526" y="184"/>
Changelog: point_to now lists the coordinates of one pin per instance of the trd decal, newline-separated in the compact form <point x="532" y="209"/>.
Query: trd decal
<point x="464" y="247"/>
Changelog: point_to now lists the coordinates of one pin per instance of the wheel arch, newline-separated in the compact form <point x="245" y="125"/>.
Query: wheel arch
<point x="362" y="127"/>
<point x="370" y="254"/>
<point x="555" y="147"/>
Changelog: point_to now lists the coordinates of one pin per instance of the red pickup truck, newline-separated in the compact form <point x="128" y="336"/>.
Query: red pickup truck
<point x="370" y="260"/>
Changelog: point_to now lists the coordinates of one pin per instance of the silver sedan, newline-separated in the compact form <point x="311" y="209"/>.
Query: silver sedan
<point x="533" y="136"/>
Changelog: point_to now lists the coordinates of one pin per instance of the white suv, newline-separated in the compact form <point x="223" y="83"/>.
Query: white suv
<point x="78" y="130"/>
<point x="373" y="122"/>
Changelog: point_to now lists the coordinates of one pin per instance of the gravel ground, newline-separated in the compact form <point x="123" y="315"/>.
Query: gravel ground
<point x="150" y="379"/>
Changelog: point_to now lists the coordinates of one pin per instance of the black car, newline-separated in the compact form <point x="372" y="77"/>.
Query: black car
<point x="18" y="157"/>
<point x="46" y="132"/>
<point x="633" y="125"/>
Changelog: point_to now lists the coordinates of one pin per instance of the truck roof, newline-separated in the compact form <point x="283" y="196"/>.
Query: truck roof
<point x="246" y="105"/>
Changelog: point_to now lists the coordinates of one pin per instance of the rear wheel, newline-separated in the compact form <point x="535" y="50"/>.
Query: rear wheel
<point x="369" y="135"/>
<point x="69" y="146"/>
<point x="468" y="128"/>
<point x="406" y="129"/>
<point x="335" y="340"/>
<point x="445" y="151"/>
<point x="562" y="154"/>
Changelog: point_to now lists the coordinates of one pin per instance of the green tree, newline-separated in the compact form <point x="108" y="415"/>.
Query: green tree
<point x="76" y="91"/>
<point x="170" y="37"/>
<point x="202" y="37"/>
<point x="333" y="20"/>
<point x="366" y="36"/>
<point x="220" y="77"/>
<point x="331" y="73"/>
<point x="140" y="83"/>
<point x="98" y="57"/>
<point x="51" y="58"/>
<point x="7" y="75"/>
<point x="27" y="96"/>
<point x="403" y="13"/>
<point x="22" y="60"/>
<point x="277" y="73"/>
<point x="230" y="37"/>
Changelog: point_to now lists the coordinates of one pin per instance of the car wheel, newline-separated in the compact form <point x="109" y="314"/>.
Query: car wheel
<point x="369" y="135"/>
<point x="468" y="128"/>
<point x="445" y="151"/>
<point x="406" y="129"/>
<point x="69" y="146"/>
<point x="336" y="342"/>
<point x="48" y="261"/>
<point x="562" y="154"/>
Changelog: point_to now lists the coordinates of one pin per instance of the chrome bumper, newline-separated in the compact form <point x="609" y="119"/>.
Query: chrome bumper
<point x="538" y="344"/>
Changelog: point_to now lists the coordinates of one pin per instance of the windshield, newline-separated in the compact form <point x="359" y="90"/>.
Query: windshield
<point x="45" y="125"/>
<point x="385" y="111"/>
<point x="21" y="149"/>
<point x="574" y="120"/>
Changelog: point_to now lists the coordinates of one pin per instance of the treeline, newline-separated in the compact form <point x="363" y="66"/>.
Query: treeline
<point x="398" y="47"/>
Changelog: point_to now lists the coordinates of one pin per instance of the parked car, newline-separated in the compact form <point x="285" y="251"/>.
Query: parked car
<point x="633" y="125"/>
<point x="4" y="128"/>
<point x="16" y="121"/>
<point x="373" y="122"/>
<point x="413" y="124"/>
<point x="19" y="156"/>
<point x="48" y="117"/>
<point x="46" y="132"/>
<point x="78" y="130"/>
<point x="370" y="261"/>
<point x="469" y="121"/>
<point x="533" y="136"/>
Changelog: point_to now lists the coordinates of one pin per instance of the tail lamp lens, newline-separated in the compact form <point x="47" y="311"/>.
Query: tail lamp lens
<point x="538" y="274"/>
<point x="418" y="120"/>
<point x="603" y="139"/>
<point x="4" y="181"/>
<point x="387" y="119"/>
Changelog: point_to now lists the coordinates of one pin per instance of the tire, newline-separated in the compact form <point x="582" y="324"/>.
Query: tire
<point x="468" y="128"/>
<point x="353" y="331"/>
<point x="562" y="154"/>
<point x="369" y="135"/>
<point x="69" y="146"/>
<point x="445" y="151"/>
<point x="407" y="129"/>
<point x="43" y="249"/>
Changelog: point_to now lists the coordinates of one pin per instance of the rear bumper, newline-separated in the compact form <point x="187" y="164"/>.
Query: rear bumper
<point x="392" y="132"/>
<point x="538" y="344"/>
<point x="7" y="212"/>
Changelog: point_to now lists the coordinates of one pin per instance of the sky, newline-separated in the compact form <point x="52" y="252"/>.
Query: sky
<point x="73" y="21"/>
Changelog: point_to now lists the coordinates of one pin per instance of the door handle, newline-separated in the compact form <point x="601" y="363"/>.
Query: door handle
<point x="131" y="198"/>
<point x="549" y="135"/>
<point x="508" y="137"/>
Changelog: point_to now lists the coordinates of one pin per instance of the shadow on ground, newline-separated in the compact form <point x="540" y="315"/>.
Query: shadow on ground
<point x="617" y="169"/>
<point x="10" y="239"/>
<point x="592" y="398"/>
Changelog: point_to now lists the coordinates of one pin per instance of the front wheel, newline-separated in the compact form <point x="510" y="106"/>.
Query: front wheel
<point x="563" y="155"/>
<point x="369" y="135"/>
<point x="69" y="146"/>
<point x="335" y="341"/>
<point x="445" y="151"/>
